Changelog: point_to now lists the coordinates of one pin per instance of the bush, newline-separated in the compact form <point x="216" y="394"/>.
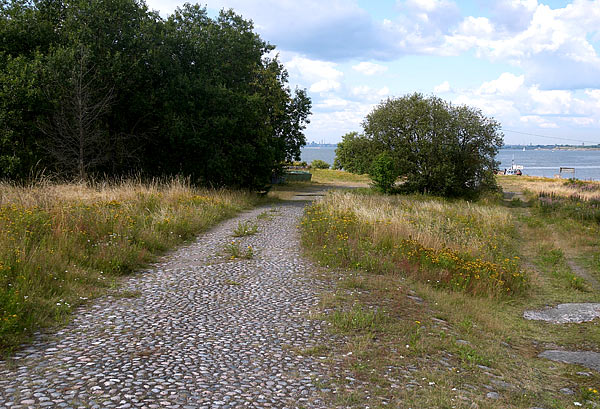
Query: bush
<point x="319" y="164"/>
<point x="355" y="153"/>
<point x="383" y="173"/>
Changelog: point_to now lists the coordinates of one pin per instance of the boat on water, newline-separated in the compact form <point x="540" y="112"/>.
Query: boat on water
<point x="514" y="170"/>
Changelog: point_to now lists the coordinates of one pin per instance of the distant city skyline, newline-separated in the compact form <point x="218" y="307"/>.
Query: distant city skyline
<point x="532" y="65"/>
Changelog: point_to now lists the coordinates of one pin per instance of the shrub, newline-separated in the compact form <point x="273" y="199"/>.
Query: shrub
<point x="383" y="173"/>
<point x="319" y="164"/>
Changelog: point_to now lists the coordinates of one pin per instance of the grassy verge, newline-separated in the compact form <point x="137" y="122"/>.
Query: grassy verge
<point x="419" y="334"/>
<point x="64" y="244"/>
<point x="338" y="176"/>
<point x="456" y="245"/>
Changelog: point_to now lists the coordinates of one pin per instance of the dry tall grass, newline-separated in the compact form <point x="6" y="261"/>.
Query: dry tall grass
<point x="583" y="190"/>
<point x="459" y="225"/>
<point x="456" y="244"/>
<point x="62" y="243"/>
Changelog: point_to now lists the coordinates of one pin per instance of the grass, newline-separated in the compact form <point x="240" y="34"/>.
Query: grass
<point x="63" y="244"/>
<point x="571" y="188"/>
<point x="459" y="245"/>
<point x="412" y="341"/>
<point x="338" y="176"/>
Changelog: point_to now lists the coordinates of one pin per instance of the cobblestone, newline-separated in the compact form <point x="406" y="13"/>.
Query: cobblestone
<point x="204" y="332"/>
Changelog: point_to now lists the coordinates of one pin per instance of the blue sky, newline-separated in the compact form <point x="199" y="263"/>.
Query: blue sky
<point x="532" y="65"/>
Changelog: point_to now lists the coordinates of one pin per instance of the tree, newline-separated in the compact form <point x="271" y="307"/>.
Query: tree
<point x="355" y="153"/>
<point x="77" y="134"/>
<point x="21" y="102"/>
<point x="106" y="86"/>
<point x="440" y="148"/>
<point x="383" y="173"/>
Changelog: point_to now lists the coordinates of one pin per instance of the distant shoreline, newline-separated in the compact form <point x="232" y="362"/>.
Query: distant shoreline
<point x="518" y="147"/>
<point x="568" y="148"/>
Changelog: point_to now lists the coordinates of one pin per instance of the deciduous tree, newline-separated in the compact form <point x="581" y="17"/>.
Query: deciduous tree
<point x="440" y="148"/>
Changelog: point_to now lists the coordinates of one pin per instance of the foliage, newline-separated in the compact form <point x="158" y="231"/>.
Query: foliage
<point x="355" y="153"/>
<point x="383" y="173"/>
<point x="569" y="207"/>
<point x="188" y="94"/>
<point x="319" y="164"/>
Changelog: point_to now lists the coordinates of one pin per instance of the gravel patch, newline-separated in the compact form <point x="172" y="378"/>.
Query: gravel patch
<point x="204" y="332"/>
<point x="566" y="313"/>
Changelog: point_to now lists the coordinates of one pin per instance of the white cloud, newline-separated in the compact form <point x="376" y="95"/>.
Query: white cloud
<point x="324" y="86"/>
<point x="538" y="121"/>
<point x="368" y="94"/>
<point x="369" y="68"/>
<point x="333" y="124"/>
<point x="476" y="26"/>
<point x="553" y="102"/>
<point x="506" y="84"/>
<point x="318" y="76"/>
<point x="553" y="47"/>
<point x="442" y="88"/>
<point x="335" y="103"/>
<point x="582" y="122"/>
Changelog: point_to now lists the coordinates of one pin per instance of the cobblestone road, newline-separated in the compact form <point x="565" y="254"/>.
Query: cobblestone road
<point x="203" y="332"/>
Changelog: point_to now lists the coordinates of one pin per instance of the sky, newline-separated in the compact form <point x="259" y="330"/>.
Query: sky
<point x="532" y="65"/>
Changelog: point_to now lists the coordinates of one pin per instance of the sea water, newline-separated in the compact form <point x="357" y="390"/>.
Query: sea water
<point x="535" y="162"/>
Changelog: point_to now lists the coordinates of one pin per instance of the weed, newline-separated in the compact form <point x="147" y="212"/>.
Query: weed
<point x="589" y="394"/>
<point x="469" y="355"/>
<point x="265" y="216"/>
<point x="318" y="350"/>
<point x="350" y="398"/>
<point x="358" y="319"/>
<point x="128" y="294"/>
<point x="245" y="228"/>
<point x="234" y="250"/>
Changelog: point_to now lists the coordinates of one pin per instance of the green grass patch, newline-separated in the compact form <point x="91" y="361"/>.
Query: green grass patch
<point x="332" y="175"/>
<point x="553" y="261"/>
<point x="358" y="319"/>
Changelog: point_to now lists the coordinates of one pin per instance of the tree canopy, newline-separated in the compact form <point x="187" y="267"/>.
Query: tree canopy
<point x="355" y="153"/>
<point x="109" y="87"/>
<point x="437" y="147"/>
